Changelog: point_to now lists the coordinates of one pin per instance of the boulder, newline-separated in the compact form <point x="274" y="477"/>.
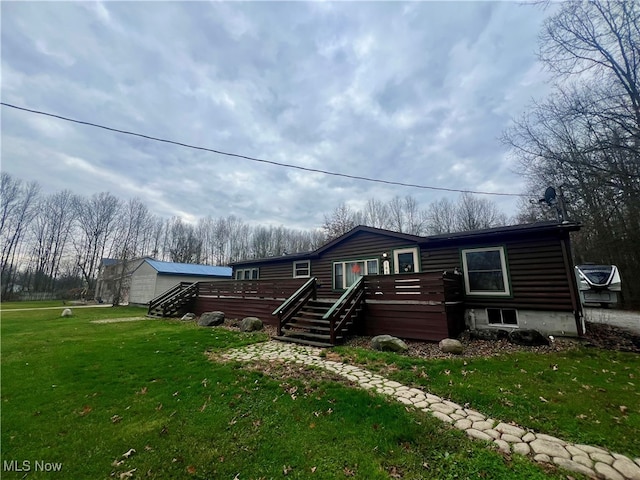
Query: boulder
<point x="528" y="337"/>
<point x="211" y="319"/>
<point x="388" y="343"/>
<point x="450" y="345"/>
<point x="251" y="324"/>
<point x="188" y="317"/>
<point x="67" y="313"/>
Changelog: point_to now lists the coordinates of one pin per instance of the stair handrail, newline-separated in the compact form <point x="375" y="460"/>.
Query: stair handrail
<point x="168" y="294"/>
<point x="293" y="304"/>
<point x="342" y="310"/>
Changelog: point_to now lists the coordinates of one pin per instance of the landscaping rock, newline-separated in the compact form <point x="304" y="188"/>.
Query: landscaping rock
<point x="388" y="343"/>
<point x="188" y="317"/>
<point x="530" y="338"/>
<point x="450" y="345"/>
<point x="211" y="319"/>
<point x="67" y="313"/>
<point x="251" y="324"/>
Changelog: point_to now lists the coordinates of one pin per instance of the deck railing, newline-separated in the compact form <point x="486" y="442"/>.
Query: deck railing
<point x="294" y="303"/>
<point x="181" y="288"/>
<point x="344" y="311"/>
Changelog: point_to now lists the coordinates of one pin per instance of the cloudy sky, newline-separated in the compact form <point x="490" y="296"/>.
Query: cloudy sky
<point x="413" y="93"/>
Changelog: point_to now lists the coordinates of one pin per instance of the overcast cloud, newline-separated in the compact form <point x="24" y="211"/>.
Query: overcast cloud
<point x="408" y="92"/>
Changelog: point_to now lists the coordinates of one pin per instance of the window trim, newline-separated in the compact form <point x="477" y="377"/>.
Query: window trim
<point x="241" y="273"/>
<point x="503" y="266"/>
<point x="344" y="269"/>
<point x="416" y="259"/>
<point x="502" y="324"/>
<point x="308" y="268"/>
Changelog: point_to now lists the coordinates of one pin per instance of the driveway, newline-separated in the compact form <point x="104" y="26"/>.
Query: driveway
<point x="618" y="318"/>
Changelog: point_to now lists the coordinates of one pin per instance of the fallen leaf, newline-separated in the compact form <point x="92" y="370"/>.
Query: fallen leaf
<point x="86" y="410"/>
<point x="191" y="469"/>
<point x="143" y="391"/>
<point x="148" y="448"/>
<point x="348" y="472"/>
<point x="312" y="425"/>
<point x="129" y="453"/>
<point x="116" y="419"/>
<point x="128" y="474"/>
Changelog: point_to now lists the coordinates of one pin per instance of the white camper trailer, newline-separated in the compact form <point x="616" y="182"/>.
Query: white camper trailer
<point x="598" y="284"/>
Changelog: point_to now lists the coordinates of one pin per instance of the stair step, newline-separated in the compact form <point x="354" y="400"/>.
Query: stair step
<point x="310" y="321"/>
<point x="302" y="341"/>
<point x="309" y="335"/>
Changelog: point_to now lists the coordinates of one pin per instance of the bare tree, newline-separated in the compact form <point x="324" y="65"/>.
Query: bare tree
<point x="341" y="220"/>
<point x="474" y="213"/>
<point x="16" y="213"/>
<point x="51" y="228"/>
<point x="184" y="245"/>
<point x="441" y="217"/>
<point x="95" y="226"/>
<point x="376" y="214"/>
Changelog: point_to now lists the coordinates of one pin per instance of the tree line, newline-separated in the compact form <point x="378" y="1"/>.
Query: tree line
<point x="53" y="243"/>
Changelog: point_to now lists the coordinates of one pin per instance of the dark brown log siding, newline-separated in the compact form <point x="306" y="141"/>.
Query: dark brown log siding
<point x="363" y="245"/>
<point x="539" y="271"/>
<point x="536" y="269"/>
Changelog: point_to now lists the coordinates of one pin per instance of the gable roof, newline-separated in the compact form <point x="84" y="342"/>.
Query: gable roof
<point x="331" y="244"/>
<point x="171" y="268"/>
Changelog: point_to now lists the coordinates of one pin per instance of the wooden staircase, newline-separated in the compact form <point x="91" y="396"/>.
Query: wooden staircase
<point x="320" y="322"/>
<point x="173" y="301"/>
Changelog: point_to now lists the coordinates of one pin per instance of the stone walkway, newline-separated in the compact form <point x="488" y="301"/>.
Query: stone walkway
<point x="591" y="461"/>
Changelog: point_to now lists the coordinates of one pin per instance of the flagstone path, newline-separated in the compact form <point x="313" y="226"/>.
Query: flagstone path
<point x="592" y="461"/>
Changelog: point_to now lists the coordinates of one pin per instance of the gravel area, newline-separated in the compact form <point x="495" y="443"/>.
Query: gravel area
<point x="598" y="335"/>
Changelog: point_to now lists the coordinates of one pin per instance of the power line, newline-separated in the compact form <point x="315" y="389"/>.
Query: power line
<point x="260" y="160"/>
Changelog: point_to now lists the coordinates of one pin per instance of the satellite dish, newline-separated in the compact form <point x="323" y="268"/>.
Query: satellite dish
<point x="550" y="195"/>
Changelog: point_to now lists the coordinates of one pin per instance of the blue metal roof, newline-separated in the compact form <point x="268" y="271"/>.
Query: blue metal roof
<point x="170" y="268"/>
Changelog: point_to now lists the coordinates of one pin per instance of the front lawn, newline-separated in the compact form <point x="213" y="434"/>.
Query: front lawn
<point x="141" y="399"/>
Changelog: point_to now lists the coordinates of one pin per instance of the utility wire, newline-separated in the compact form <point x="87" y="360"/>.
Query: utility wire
<point x="260" y="160"/>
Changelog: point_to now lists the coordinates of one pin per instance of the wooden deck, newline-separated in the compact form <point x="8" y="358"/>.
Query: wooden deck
<point x="420" y="306"/>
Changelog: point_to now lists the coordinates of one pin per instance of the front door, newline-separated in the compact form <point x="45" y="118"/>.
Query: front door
<point x="406" y="260"/>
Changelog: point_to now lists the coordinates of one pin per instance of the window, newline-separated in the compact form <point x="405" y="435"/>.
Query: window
<point x="485" y="271"/>
<point x="502" y="316"/>
<point x="302" y="269"/>
<point x="345" y="274"/>
<point x="247" y="274"/>
<point x="406" y="260"/>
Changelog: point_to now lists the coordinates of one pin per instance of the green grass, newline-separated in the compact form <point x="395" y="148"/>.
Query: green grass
<point x="83" y="394"/>
<point x="586" y="395"/>
<point x="35" y="304"/>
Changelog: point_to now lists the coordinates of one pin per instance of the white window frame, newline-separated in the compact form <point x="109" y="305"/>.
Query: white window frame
<point x="503" y="267"/>
<point x="344" y="269"/>
<point x="502" y="324"/>
<point x="240" y="273"/>
<point x="307" y="267"/>
<point x="396" y="261"/>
